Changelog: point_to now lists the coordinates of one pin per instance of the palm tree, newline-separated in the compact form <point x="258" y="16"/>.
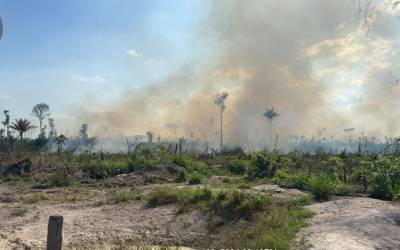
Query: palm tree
<point x="61" y="140"/>
<point x="21" y="126"/>
<point x="220" y="102"/>
<point x="270" y="115"/>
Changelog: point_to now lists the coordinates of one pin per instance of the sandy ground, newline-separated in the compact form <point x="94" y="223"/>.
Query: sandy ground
<point x="86" y="222"/>
<point x="352" y="223"/>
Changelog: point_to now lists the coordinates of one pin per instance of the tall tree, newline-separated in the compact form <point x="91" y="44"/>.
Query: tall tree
<point x="41" y="111"/>
<point x="53" y="132"/>
<point x="21" y="126"/>
<point x="61" y="140"/>
<point x="220" y="102"/>
<point x="6" y="121"/>
<point x="270" y="115"/>
<point x="83" y="133"/>
<point x="149" y="137"/>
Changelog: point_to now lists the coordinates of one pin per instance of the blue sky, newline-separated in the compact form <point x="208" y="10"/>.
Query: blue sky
<point x="62" y="52"/>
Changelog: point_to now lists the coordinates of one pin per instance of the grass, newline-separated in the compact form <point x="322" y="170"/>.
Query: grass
<point x="195" y="179"/>
<point x="273" y="223"/>
<point x="119" y="197"/>
<point x="19" y="212"/>
<point x="32" y="199"/>
<point x="164" y="196"/>
<point x="274" y="229"/>
<point x="321" y="187"/>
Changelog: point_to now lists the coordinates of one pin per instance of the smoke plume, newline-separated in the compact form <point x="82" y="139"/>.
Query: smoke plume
<point x="311" y="60"/>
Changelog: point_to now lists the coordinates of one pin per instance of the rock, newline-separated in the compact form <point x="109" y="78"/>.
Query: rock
<point x="40" y="186"/>
<point x="18" y="168"/>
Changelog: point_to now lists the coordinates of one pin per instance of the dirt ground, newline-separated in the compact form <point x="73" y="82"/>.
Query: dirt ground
<point x="90" y="221"/>
<point x="352" y="223"/>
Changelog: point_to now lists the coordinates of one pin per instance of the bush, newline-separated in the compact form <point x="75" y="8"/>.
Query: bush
<point x="123" y="196"/>
<point x="103" y="169"/>
<point x="260" y="202"/>
<point x="292" y="181"/>
<point x="181" y="176"/>
<point x="260" y="166"/>
<point x="298" y="181"/>
<point x="322" y="187"/>
<point x="194" y="179"/>
<point x="201" y="194"/>
<point x="163" y="196"/>
<point x="182" y="161"/>
<point x="238" y="166"/>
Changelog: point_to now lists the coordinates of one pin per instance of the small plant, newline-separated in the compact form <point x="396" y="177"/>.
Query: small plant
<point x="119" y="197"/>
<point x="182" y="161"/>
<point x="260" y="202"/>
<point x="35" y="198"/>
<point x="220" y="195"/>
<point x="194" y="179"/>
<point x="322" y="187"/>
<point x="261" y="166"/>
<point x="19" y="212"/>
<point x="182" y="175"/>
<point x="201" y="194"/>
<point x="298" y="181"/>
<point x="163" y="196"/>
<point x="238" y="167"/>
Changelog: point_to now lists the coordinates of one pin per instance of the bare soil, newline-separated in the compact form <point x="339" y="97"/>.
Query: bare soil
<point x="352" y="223"/>
<point x="89" y="221"/>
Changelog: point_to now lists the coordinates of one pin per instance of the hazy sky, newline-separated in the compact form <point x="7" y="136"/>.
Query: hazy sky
<point x="133" y="66"/>
<point x="63" y="52"/>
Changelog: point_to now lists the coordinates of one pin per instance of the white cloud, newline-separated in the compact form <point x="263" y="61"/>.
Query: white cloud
<point x="4" y="97"/>
<point x="81" y="78"/>
<point x="133" y="53"/>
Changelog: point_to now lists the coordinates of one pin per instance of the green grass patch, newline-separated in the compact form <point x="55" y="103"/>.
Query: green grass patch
<point x="195" y="179"/>
<point x="321" y="187"/>
<point x="274" y="229"/>
<point x="32" y="199"/>
<point x="119" y="197"/>
<point x="19" y="212"/>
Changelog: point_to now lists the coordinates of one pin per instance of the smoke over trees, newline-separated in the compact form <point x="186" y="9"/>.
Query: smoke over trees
<point x="321" y="72"/>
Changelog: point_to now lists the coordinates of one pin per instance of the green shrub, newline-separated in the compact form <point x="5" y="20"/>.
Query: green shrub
<point x="200" y="194"/>
<point x="103" y="169"/>
<point x="260" y="166"/>
<point x="123" y="196"/>
<point x="163" y="196"/>
<point x="273" y="230"/>
<point x="238" y="166"/>
<point x="298" y="181"/>
<point x="260" y="202"/>
<point x="322" y="187"/>
<point x="182" y="161"/>
<point x="182" y="175"/>
<point x="194" y="179"/>
<point x="199" y="166"/>
<point x="220" y="195"/>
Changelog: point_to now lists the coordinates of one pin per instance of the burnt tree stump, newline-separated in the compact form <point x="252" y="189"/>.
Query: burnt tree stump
<point x="54" y="232"/>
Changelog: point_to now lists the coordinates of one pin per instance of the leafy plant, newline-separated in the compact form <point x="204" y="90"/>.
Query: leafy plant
<point x="322" y="187"/>
<point x="194" y="179"/>
<point x="238" y="166"/>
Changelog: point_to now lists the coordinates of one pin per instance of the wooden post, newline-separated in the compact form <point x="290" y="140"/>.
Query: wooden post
<point x="180" y="147"/>
<point x="54" y="232"/>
